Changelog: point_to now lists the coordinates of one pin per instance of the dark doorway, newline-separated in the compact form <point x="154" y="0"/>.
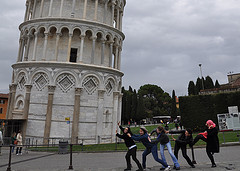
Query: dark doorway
<point x="73" y="55"/>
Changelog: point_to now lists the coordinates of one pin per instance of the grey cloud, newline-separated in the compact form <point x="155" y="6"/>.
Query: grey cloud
<point x="165" y="41"/>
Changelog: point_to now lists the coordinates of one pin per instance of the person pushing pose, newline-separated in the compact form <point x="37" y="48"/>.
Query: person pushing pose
<point x="132" y="148"/>
<point x="164" y="141"/>
<point x="150" y="148"/>
<point x="183" y="140"/>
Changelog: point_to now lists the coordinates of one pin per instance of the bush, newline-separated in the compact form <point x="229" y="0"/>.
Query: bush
<point x="196" y="110"/>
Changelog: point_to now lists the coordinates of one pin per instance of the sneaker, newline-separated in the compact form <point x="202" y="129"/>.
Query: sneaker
<point x="214" y="165"/>
<point x="167" y="168"/>
<point x="17" y="154"/>
<point x="21" y="154"/>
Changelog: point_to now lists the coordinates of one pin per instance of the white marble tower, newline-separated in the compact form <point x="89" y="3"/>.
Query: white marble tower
<point x="68" y="65"/>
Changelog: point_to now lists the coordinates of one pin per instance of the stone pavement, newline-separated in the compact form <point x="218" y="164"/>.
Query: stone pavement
<point x="228" y="159"/>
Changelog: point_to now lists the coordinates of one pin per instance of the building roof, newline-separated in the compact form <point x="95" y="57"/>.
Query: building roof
<point x="5" y="96"/>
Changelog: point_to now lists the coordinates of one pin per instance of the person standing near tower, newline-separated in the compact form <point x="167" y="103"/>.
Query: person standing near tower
<point x="19" y="143"/>
<point x="132" y="148"/>
<point x="1" y="140"/>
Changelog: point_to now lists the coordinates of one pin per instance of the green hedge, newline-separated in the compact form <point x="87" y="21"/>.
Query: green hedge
<point x="196" y="110"/>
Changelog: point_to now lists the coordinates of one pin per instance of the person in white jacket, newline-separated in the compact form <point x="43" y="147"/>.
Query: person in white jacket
<point x="1" y="142"/>
<point x="19" y="143"/>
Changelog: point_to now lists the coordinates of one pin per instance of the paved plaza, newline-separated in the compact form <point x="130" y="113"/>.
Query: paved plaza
<point x="228" y="159"/>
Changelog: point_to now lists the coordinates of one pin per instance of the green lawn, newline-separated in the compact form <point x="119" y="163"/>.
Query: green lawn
<point x="229" y="137"/>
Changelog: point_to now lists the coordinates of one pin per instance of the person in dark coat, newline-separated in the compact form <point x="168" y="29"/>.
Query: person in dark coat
<point x="132" y="148"/>
<point x="212" y="141"/>
<point x="181" y="142"/>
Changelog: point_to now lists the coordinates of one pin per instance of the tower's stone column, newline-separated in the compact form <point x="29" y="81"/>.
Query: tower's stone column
<point x="20" y="51"/>
<point x="11" y="102"/>
<point x="26" y="108"/>
<point x="81" y="48"/>
<point x="35" y="46"/>
<point x="110" y="53"/>
<point x="76" y="114"/>
<point x="57" y="45"/>
<point x="119" y="107"/>
<point x="115" y="114"/>
<point x="48" y="121"/>
<point x="45" y="46"/>
<point x="101" y="94"/>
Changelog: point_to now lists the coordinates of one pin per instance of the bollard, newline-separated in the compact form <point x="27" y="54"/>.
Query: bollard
<point x="10" y="159"/>
<point x="193" y="157"/>
<point x="116" y="144"/>
<point x="70" y="166"/>
<point x="224" y="141"/>
<point x="82" y="145"/>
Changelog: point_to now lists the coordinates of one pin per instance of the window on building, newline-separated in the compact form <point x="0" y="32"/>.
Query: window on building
<point x="73" y="55"/>
<point x="2" y="101"/>
<point x="1" y="110"/>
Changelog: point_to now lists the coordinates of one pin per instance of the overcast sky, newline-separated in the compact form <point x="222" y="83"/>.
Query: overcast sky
<point x="165" y="41"/>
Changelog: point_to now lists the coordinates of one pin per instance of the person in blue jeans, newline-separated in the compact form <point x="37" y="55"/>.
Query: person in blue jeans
<point x="164" y="141"/>
<point x="150" y="148"/>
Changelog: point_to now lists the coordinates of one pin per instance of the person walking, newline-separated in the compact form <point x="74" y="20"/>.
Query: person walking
<point x="13" y="141"/>
<point x="19" y="143"/>
<point x="164" y="142"/>
<point x="212" y="141"/>
<point x="181" y="142"/>
<point x="150" y="148"/>
<point x="132" y="148"/>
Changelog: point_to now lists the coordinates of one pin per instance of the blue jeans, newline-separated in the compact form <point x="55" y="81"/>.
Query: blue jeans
<point x="174" y="159"/>
<point x="154" y="152"/>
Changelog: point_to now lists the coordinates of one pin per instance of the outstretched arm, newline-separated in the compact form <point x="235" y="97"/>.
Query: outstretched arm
<point x="136" y="137"/>
<point x="153" y="131"/>
<point x="121" y="128"/>
<point x="119" y="135"/>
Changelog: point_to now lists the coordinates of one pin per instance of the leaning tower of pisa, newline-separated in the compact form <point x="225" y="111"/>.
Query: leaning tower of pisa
<point x="68" y="66"/>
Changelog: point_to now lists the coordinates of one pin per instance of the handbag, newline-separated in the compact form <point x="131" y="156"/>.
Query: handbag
<point x="15" y="142"/>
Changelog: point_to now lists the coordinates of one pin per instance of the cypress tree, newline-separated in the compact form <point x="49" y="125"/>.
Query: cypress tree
<point x="217" y="85"/>
<point x="198" y="85"/>
<point x="191" y="88"/>
<point x="140" y="109"/>
<point x="208" y="83"/>
<point x="124" y="100"/>
<point x="134" y="105"/>
<point x="174" y="108"/>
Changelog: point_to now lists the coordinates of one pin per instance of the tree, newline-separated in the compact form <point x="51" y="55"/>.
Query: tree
<point x="124" y="101"/>
<point x="208" y="83"/>
<point x="134" y="105"/>
<point x="174" y="108"/>
<point x="128" y="105"/>
<point x="199" y="85"/>
<point x="217" y="85"/>
<point x="156" y="101"/>
<point x="140" y="109"/>
<point x="191" y="88"/>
